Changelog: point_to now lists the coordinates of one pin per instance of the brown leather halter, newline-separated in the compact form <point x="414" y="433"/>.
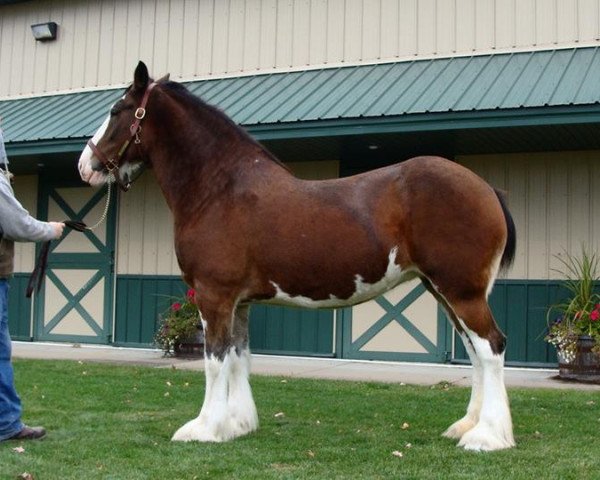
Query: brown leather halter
<point x="112" y="163"/>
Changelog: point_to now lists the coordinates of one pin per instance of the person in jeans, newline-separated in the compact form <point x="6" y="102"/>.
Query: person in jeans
<point x="15" y="225"/>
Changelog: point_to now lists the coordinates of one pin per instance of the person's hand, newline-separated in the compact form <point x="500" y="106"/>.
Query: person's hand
<point x="58" y="228"/>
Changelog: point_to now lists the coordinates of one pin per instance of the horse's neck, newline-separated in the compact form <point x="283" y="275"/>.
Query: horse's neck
<point x="193" y="184"/>
<point x="203" y="156"/>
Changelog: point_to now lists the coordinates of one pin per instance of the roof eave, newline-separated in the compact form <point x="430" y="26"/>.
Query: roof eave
<point x="413" y="123"/>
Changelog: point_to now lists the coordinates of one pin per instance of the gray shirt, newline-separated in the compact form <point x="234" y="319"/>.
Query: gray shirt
<point x="15" y="222"/>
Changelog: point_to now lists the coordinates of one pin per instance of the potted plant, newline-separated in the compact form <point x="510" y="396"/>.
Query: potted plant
<point x="575" y="328"/>
<point x="180" y="331"/>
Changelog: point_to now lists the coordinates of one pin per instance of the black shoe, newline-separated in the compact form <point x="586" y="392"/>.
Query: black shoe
<point x="29" y="433"/>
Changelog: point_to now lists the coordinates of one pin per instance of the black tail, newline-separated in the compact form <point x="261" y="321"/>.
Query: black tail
<point x="508" y="255"/>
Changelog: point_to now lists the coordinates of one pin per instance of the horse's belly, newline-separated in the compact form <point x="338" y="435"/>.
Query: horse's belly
<point x="363" y="291"/>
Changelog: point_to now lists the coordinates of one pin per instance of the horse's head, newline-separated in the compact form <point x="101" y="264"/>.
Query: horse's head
<point x="117" y="149"/>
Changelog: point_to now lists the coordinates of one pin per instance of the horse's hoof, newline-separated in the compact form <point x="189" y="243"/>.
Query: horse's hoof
<point x="483" y="438"/>
<point x="459" y="428"/>
<point x="195" y="431"/>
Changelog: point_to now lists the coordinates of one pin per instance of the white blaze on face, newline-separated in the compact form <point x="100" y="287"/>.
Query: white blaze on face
<point x="87" y="159"/>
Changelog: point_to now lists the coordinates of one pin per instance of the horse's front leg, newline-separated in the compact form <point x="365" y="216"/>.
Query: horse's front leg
<point x="228" y="410"/>
<point x="241" y="406"/>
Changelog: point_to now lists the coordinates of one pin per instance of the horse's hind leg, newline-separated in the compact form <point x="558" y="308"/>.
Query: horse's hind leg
<point x="460" y="427"/>
<point x="489" y="401"/>
<point x="228" y="410"/>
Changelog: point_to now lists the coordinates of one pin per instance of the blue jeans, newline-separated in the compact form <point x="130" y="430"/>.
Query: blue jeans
<point x="10" y="403"/>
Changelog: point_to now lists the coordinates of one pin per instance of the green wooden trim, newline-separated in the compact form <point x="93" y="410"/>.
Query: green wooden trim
<point x="291" y="353"/>
<point x="140" y="299"/>
<point x="395" y="357"/>
<point x="134" y="345"/>
<point x="444" y="335"/>
<point x="291" y="330"/>
<point x="19" y="308"/>
<point x="140" y="276"/>
<point x="520" y="307"/>
<point x="70" y="261"/>
<point x="341" y="317"/>
<point x="97" y="340"/>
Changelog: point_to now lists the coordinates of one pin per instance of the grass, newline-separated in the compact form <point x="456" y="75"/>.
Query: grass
<point x="111" y="422"/>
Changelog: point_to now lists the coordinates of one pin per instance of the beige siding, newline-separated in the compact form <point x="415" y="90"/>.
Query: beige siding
<point x="100" y="42"/>
<point x="554" y="202"/>
<point x="145" y="231"/>
<point x="26" y="192"/>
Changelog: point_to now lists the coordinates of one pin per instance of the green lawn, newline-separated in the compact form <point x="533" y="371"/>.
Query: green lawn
<point x="109" y="422"/>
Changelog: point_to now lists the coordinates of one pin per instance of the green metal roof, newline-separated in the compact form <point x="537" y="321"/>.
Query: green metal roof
<point x="552" y="87"/>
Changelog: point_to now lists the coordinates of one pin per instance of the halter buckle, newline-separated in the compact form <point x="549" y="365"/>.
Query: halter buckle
<point x="140" y="113"/>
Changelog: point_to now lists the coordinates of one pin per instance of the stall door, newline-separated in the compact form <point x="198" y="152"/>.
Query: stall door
<point x="404" y="324"/>
<point x="75" y="303"/>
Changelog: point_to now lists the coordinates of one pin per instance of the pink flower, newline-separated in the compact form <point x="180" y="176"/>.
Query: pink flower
<point x="595" y="316"/>
<point x="191" y="293"/>
<point x="176" y="306"/>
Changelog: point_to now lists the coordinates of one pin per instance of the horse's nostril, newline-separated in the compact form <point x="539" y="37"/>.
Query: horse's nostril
<point x="97" y="166"/>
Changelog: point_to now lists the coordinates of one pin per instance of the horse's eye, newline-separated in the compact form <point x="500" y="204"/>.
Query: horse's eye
<point x="114" y="110"/>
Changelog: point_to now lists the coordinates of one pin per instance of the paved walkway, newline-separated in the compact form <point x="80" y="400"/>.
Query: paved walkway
<point x="302" y="367"/>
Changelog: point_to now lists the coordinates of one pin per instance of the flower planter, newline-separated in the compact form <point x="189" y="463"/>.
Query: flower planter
<point x="180" y="330"/>
<point x="190" y="348"/>
<point x="585" y="364"/>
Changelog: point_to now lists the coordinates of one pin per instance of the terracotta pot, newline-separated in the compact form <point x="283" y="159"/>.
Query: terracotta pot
<point x="586" y="364"/>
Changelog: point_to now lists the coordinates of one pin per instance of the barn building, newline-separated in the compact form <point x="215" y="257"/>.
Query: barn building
<point x="332" y="87"/>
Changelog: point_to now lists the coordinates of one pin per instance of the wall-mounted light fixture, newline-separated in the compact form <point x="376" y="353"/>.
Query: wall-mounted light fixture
<point x="44" y="32"/>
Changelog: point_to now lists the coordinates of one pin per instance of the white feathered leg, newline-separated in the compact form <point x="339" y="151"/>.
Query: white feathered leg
<point x="494" y="429"/>
<point x="242" y="409"/>
<point x="213" y="422"/>
<point x="228" y="410"/>
<point x="459" y="428"/>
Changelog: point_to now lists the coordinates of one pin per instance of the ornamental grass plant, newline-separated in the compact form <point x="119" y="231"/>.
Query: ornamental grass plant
<point x="579" y="314"/>
<point x="179" y="324"/>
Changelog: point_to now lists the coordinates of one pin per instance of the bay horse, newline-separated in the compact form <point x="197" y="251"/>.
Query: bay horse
<point x="247" y="230"/>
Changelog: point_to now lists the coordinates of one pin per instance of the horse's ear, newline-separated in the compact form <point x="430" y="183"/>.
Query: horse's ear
<point x="164" y="78"/>
<point x="141" y="76"/>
